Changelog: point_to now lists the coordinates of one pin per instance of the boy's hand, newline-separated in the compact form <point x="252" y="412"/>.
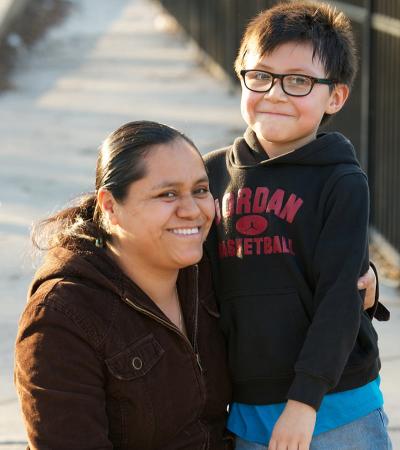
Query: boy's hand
<point x="294" y="428"/>
<point x="368" y="282"/>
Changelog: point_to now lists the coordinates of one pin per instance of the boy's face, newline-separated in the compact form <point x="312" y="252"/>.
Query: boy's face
<point x="282" y="122"/>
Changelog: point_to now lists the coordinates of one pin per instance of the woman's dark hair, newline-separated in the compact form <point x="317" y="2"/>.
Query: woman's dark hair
<point x="121" y="161"/>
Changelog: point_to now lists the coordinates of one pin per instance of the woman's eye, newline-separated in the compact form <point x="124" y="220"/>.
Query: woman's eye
<point x="202" y="190"/>
<point x="168" y="194"/>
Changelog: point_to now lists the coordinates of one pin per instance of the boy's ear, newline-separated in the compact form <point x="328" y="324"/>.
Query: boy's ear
<point x="108" y="206"/>
<point x="337" y="98"/>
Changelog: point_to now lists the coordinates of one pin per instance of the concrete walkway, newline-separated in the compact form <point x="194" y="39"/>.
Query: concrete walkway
<point x="107" y="64"/>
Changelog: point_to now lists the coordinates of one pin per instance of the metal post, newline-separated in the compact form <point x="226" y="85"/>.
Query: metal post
<point x="365" y="68"/>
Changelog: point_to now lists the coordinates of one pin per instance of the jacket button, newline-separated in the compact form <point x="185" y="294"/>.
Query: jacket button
<point x="137" y="363"/>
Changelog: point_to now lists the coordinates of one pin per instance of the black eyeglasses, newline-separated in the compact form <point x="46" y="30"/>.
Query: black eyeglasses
<point x="292" y="84"/>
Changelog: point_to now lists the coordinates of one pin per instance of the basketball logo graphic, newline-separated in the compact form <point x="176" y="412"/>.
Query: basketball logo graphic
<point x="251" y="225"/>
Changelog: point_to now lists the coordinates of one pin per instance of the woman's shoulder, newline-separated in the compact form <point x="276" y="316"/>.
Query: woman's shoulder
<point x="72" y="272"/>
<point x="71" y="306"/>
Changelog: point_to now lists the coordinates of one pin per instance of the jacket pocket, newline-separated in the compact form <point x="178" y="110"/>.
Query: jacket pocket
<point x="265" y="333"/>
<point x="136" y="360"/>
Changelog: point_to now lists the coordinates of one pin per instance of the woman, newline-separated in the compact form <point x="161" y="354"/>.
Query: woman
<point x="119" y="345"/>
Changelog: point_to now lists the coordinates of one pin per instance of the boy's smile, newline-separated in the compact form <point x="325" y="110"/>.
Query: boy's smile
<point x="282" y="122"/>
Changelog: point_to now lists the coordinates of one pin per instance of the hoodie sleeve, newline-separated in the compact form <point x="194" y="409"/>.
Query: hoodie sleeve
<point x="340" y="257"/>
<point x="59" y="380"/>
<point x="377" y="310"/>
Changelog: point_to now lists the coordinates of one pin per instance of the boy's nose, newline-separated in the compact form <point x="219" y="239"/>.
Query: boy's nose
<point x="276" y="91"/>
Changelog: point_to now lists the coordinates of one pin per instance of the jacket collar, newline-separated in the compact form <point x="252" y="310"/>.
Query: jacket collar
<point x="86" y="263"/>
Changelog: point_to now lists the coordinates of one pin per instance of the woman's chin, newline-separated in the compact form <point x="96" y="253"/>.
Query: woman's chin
<point x="189" y="259"/>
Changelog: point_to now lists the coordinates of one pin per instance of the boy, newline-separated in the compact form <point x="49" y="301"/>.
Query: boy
<point x="290" y="242"/>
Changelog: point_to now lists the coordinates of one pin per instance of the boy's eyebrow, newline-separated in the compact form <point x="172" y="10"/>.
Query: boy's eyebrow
<point x="172" y="183"/>
<point x="290" y="70"/>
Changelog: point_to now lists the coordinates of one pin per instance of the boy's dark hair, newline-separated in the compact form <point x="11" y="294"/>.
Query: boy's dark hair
<point x="327" y="29"/>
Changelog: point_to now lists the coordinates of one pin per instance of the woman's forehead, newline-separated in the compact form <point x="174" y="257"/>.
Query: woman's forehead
<point x="177" y="160"/>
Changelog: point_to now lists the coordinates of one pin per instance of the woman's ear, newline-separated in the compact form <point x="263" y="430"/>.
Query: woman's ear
<point x="337" y="98"/>
<point x="108" y="206"/>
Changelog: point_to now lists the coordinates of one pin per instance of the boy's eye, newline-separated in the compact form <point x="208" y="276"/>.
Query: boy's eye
<point x="260" y="76"/>
<point x="297" y="80"/>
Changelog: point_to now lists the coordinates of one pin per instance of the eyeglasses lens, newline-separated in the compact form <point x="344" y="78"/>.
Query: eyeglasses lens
<point x="292" y="84"/>
<point x="296" y="84"/>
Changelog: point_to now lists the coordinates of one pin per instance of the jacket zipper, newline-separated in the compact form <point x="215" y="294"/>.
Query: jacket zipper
<point x="172" y="327"/>
<point x="196" y="318"/>
<point x="180" y="334"/>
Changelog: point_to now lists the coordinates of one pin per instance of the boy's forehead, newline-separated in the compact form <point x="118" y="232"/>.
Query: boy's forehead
<point x="290" y="54"/>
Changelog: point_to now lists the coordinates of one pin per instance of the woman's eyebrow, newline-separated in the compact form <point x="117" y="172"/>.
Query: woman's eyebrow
<point x="172" y="183"/>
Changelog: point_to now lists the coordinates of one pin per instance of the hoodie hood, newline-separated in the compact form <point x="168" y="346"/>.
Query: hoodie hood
<point x="85" y="263"/>
<point x="88" y="265"/>
<point x="326" y="149"/>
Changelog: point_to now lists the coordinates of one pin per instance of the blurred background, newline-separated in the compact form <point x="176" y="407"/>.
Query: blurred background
<point x="71" y="71"/>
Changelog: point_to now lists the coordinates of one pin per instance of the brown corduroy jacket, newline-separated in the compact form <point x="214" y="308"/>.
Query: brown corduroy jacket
<point x="99" y="366"/>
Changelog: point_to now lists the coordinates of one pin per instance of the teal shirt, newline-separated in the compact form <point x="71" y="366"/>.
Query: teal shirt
<point x="256" y="422"/>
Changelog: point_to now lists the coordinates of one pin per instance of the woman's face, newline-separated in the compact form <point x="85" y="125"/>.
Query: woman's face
<point x="166" y="216"/>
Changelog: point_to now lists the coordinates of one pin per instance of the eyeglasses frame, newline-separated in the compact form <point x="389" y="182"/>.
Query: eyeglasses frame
<point x="279" y="76"/>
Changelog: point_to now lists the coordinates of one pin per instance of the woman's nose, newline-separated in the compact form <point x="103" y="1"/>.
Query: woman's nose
<point x="188" y="207"/>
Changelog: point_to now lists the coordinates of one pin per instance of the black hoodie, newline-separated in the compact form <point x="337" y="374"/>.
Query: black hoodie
<point x="287" y="248"/>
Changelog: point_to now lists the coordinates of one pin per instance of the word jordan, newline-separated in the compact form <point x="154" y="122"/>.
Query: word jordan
<point x="244" y="202"/>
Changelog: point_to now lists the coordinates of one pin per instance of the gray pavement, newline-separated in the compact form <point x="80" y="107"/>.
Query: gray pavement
<point x="108" y="63"/>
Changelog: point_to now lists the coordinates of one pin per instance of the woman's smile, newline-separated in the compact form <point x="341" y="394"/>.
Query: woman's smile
<point x="194" y="231"/>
